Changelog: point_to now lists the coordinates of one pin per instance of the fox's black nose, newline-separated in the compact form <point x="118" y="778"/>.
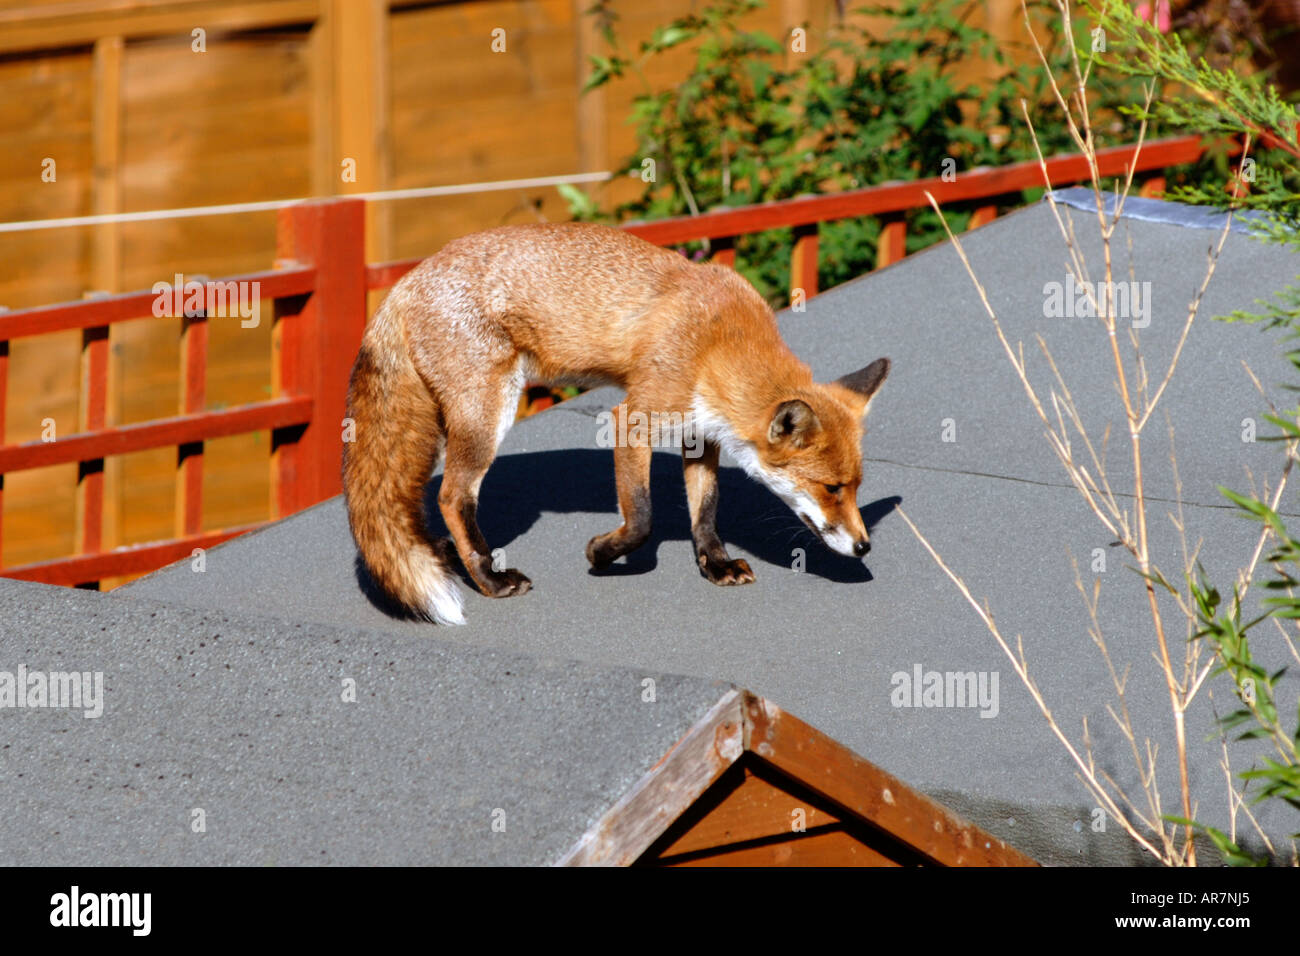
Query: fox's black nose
<point x="861" y="547"/>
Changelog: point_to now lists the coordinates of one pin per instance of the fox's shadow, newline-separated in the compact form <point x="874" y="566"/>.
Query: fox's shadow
<point x="519" y="488"/>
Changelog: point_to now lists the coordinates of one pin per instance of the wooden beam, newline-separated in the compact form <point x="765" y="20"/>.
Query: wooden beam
<point x="632" y="824"/>
<point x="869" y="793"/>
<point x="83" y="22"/>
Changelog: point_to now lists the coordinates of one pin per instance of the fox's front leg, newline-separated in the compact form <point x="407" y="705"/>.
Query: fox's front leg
<point x="468" y="458"/>
<point x="700" y="466"/>
<point x="632" y="475"/>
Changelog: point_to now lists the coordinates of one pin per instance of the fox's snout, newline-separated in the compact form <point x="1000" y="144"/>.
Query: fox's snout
<point x="839" y="539"/>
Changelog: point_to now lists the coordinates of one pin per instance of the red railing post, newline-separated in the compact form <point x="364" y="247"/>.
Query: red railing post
<point x="315" y="345"/>
<point x="93" y="416"/>
<point x="1153" y="188"/>
<point x="189" y="457"/>
<point x="4" y="390"/>
<point x="982" y="217"/>
<point x="893" y="241"/>
<point x="723" y="251"/>
<point x="803" y="261"/>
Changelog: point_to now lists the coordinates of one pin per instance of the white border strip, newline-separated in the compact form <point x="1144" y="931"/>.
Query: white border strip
<point x="270" y="205"/>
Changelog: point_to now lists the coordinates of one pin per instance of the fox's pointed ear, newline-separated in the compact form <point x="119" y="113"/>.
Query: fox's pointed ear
<point x="794" y="422"/>
<point x="866" y="381"/>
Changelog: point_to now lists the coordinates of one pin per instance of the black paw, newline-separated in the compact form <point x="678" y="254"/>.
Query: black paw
<point x="599" y="553"/>
<point x="499" y="584"/>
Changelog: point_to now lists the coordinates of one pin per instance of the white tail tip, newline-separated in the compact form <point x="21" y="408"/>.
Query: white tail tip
<point x="442" y="599"/>
<point x="443" y="602"/>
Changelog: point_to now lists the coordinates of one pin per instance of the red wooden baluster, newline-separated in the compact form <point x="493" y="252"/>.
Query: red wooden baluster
<point x="94" y="406"/>
<point x="723" y="251"/>
<point x="893" y="243"/>
<point x="4" y="390"/>
<point x="1153" y="188"/>
<point x="982" y="217"/>
<point x="189" y="456"/>
<point x="803" y="261"/>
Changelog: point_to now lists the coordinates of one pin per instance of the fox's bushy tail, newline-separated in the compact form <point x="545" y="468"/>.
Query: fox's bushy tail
<point x="398" y="437"/>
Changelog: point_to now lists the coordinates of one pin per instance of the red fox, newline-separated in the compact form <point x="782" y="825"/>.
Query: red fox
<point x="446" y="356"/>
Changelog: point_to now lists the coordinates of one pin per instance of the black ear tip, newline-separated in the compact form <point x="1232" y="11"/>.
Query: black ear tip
<point x="866" y="380"/>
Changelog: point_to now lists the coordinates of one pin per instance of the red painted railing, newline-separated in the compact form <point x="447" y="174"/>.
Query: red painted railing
<point x="319" y="297"/>
<point x="319" y="292"/>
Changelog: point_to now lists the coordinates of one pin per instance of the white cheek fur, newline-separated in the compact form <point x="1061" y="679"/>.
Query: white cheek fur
<point x="714" y="427"/>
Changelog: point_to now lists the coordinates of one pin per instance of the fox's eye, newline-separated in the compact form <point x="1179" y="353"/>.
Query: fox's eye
<point x="833" y="489"/>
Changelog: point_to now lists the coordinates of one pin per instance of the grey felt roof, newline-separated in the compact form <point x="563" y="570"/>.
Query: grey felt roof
<point x="825" y="643"/>
<point x="244" y="718"/>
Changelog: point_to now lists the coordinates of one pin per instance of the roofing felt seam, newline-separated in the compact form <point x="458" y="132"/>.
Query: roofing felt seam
<point x="1142" y="209"/>
<point x="1227" y="506"/>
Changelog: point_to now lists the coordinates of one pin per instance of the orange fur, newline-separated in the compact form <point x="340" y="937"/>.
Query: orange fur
<point x="443" y="359"/>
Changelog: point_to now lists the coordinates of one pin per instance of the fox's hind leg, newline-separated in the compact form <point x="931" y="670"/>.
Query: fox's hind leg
<point x="472" y="442"/>
<point x="701" y="472"/>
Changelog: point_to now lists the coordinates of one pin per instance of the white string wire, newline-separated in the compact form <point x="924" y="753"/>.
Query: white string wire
<point x="271" y="205"/>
